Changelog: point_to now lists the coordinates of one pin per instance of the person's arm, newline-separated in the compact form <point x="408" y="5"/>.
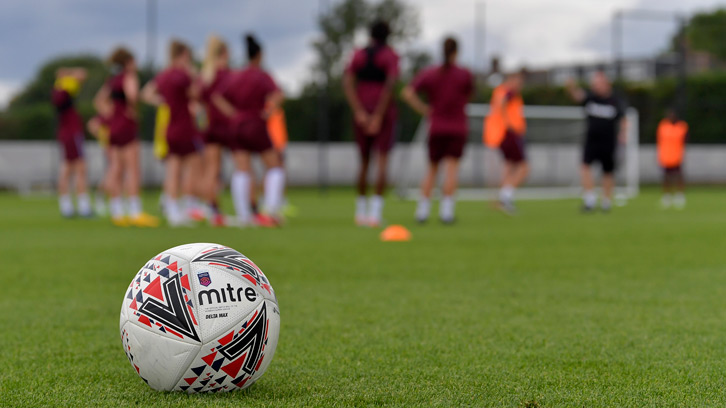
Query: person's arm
<point x="102" y="101"/>
<point x="623" y="131"/>
<point x="376" y="120"/>
<point x="359" y="113"/>
<point x="78" y="73"/>
<point x="409" y="95"/>
<point x="131" y="89"/>
<point x="575" y="91"/>
<point x="273" y="103"/>
<point x="223" y="105"/>
<point x="150" y="94"/>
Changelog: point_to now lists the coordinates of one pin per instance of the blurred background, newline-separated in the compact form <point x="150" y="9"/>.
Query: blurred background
<point x="662" y="53"/>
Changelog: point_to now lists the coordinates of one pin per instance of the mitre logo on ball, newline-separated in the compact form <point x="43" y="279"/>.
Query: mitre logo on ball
<point x="217" y="332"/>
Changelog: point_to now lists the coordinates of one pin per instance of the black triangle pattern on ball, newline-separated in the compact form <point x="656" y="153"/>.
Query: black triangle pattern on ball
<point x="166" y="260"/>
<point x="164" y="272"/>
<point x="204" y="382"/>
<point x="198" y="389"/>
<point x="217" y="364"/>
<point x="175" y="315"/>
<point x="147" y="279"/>
<point x="198" y="370"/>
<point x="184" y="387"/>
<point x="220" y="379"/>
<point x="130" y="295"/>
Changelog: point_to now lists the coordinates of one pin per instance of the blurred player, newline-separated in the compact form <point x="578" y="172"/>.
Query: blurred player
<point x="98" y="127"/>
<point x="217" y="135"/>
<point x="121" y="92"/>
<point x="248" y="97"/>
<point x="606" y="125"/>
<point x="448" y="88"/>
<point x="175" y="87"/>
<point x="70" y="136"/>
<point x="504" y="129"/>
<point x="368" y="85"/>
<point x="277" y="128"/>
<point x="671" y="139"/>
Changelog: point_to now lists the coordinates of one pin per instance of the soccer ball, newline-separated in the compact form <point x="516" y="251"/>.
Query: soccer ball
<point x="200" y="318"/>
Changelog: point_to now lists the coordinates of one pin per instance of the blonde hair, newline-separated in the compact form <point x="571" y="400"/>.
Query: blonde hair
<point x="216" y="47"/>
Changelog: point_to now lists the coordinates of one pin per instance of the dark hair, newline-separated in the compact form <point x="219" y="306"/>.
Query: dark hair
<point x="177" y="48"/>
<point x="380" y="30"/>
<point x="253" y="47"/>
<point x="120" y="57"/>
<point x="450" y="48"/>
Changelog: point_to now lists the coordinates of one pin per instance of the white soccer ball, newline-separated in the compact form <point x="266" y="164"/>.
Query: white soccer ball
<point x="200" y="318"/>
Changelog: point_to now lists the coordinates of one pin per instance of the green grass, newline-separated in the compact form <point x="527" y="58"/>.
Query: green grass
<point x="551" y="308"/>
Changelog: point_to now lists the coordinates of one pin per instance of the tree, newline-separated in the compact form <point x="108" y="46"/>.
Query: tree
<point x="706" y="32"/>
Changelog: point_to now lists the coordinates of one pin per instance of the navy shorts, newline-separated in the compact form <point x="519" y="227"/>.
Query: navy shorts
<point x="512" y="147"/>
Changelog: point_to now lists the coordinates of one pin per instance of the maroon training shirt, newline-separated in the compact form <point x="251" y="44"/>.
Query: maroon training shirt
<point x="372" y="66"/>
<point x="247" y="91"/>
<point x="448" y="89"/>
<point x="70" y="123"/>
<point x="173" y="85"/>
<point x="218" y="121"/>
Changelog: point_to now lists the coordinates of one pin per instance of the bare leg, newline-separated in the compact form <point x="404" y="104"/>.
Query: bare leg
<point x="586" y="176"/>
<point x="212" y="164"/>
<point x="382" y="172"/>
<point x="79" y="170"/>
<point x="64" y="176"/>
<point x="427" y="184"/>
<point x="451" y="176"/>
<point x="363" y="175"/>
<point x="132" y="168"/>
<point x="520" y="171"/>
<point x="608" y="185"/>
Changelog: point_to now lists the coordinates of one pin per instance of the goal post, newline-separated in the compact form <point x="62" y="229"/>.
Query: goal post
<point x="554" y="150"/>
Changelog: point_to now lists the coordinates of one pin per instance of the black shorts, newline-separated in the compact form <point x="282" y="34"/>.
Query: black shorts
<point x="512" y="148"/>
<point x="668" y="170"/>
<point x="605" y="155"/>
<point x="441" y="146"/>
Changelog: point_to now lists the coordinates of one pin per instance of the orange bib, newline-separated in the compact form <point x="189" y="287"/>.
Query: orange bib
<point x="671" y="142"/>
<point x="277" y="129"/>
<point x="495" y="125"/>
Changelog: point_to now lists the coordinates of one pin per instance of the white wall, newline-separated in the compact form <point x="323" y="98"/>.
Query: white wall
<point x="33" y="164"/>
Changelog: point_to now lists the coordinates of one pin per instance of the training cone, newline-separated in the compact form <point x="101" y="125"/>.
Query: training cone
<point x="395" y="233"/>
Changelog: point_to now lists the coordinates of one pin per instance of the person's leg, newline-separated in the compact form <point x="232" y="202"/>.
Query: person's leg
<point x="608" y="186"/>
<point x="83" y="200"/>
<point x="361" y="211"/>
<point x="506" y="191"/>
<point x="65" y="203"/>
<point x="114" y="181"/>
<point x="240" y="186"/>
<point x="423" y="208"/>
<point x="212" y="168"/>
<point x="274" y="182"/>
<point x="132" y="166"/>
<point x="375" y="203"/>
<point x="667" y="198"/>
<point x="451" y="181"/>
<point x="520" y="171"/>
<point x="589" y="197"/>
<point x="172" y="176"/>
<point x="191" y="182"/>
<point x="679" y="186"/>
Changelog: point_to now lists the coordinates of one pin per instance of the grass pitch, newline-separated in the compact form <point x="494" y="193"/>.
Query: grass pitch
<point x="550" y="308"/>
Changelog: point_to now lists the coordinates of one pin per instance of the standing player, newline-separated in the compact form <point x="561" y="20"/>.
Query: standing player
<point x="70" y="136"/>
<point x="217" y="135"/>
<point x="99" y="129"/>
<point x="121" y="92"/>
<point x="606" y="125"/>
<point x="672" y="135"/>
<point x="277" y="128"/>
<point x="368" y="84"/>
<point x="504" y="129"/>
<point x="175" y="87"/>
<point x="448" y="88"/>
<point x="248" y="97"/>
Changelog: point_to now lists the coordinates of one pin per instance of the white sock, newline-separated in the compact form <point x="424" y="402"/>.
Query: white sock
<point x="240" y="188"/>
<point x="117" y="207"/>
<point x="605" y="203"/>
<point x="506" y="194"/>
<point x="100" y="204"/>
<point x="446" y="208"/>
<point x="274" y="189"/>
<point x="375" y="208"/>
<point x="66" y="205"/>
<point x="360" y="207"/>
<point x="589" y="198"/>
<point x="679" y="200"/>
<point x="173" y="212"/>
<point x="423" y="208"/>
<point x="189" y="203"/>
<point x="666" y="200"/>
<point x="134" y="206"/>
<point x="83" y="204"/>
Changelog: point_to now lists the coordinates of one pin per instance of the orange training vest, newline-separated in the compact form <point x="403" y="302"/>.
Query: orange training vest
<point x="671" y="142"/>
<point x="277" y="129"/>
<point x="495" y="126"/>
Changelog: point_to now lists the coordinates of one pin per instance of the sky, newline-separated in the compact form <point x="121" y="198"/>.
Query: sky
<point x="535" y="33"/>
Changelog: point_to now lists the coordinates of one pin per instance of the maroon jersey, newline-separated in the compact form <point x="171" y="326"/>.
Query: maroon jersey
<point x="448" y="89"/>
<point x="173" y="85"/>
<point x="247" y="91"/>
<point x="122" y="125"/>
<point x="218" y="122"/>
<point x="372" y="67"/>
<point x="70" y="124"/>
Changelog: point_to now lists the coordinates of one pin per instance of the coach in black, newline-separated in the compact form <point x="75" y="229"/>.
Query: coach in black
<point x="606" y="126"/>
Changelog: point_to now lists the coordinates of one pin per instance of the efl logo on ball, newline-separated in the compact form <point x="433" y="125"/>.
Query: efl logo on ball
<point x="215" y="333"/>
